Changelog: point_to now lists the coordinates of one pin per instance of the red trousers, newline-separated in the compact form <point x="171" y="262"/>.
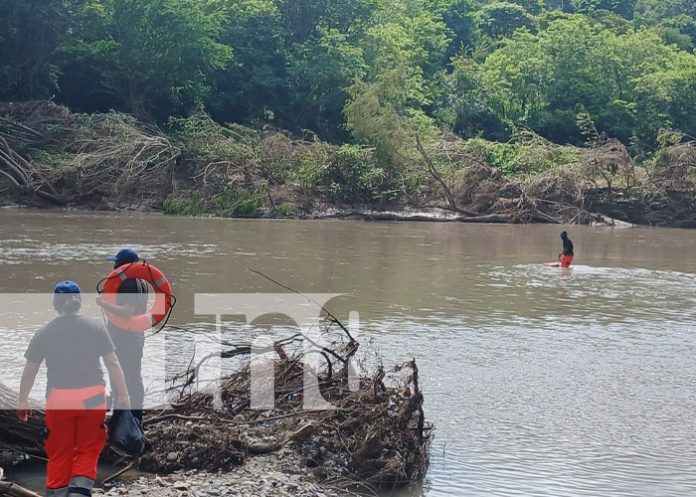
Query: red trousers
<point x="566" y="261"/>
<point x="76" y="438"/>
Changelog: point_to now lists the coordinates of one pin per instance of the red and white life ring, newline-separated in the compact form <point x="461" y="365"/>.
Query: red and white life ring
<point x="163" y="296"/>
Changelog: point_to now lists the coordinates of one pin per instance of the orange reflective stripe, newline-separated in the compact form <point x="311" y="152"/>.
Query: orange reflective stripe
<point x="77" y="398"/>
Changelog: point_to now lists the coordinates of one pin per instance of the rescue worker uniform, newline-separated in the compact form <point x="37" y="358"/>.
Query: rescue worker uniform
<point x="75" y="434"/>
<point x="129" y="345"/>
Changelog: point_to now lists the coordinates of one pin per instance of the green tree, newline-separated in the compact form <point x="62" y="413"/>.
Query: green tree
<point x="533" y="7"/>
<point x="302" y="17"/>
<point x="321" y="70"/>
<point x="654" y="11"/>
<point x="562" y="5"/>
<point x="666" y="100"/>
<point x="31" y="32"/>
<point x="543" y="81"/>
<point x="155" y="55"/>
<point x="460" y="18"/>
<point x="501" y="19"/>
<point x="253" y="87"/>
<point x="678" y="30"/>
<point x="624" y="8"/>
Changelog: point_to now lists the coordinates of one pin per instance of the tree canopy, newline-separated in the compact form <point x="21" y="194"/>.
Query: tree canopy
<point x="344" y="70"/>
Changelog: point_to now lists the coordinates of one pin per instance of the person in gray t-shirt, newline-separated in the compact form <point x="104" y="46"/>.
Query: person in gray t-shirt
<point x="72" y="346"/>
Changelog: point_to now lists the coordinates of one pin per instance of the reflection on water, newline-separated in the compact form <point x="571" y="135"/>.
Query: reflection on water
<point x="541" y="382"/>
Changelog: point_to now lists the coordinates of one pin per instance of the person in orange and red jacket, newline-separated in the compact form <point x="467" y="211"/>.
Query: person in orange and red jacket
<point x="72" y="345"/>
<point x="567" y="254"/>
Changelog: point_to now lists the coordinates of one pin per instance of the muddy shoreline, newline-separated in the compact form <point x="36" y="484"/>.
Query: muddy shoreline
<point x="618" y="208"/>
<point x="611" y="216"/>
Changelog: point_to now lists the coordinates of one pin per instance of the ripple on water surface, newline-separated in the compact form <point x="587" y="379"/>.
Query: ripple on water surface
<point x="586" y="395"/>
<point x="541" y="382"/>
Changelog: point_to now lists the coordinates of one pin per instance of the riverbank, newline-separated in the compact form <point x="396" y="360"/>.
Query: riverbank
<point x="328" y="425"/>
<point x="51" y="157"/>
<point x="276" y="475"/>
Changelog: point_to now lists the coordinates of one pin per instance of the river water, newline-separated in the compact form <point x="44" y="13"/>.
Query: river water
<point x="541" y="382"/>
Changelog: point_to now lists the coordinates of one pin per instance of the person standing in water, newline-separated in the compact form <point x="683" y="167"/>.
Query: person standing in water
<point x="72" y="345"/>
<point x="567" y="255"/>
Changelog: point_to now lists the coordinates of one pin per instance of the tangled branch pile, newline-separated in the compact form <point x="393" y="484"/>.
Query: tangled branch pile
<point x="232" y="170"/>
<point x="64" y="157"/>
<point x="202" y="167"/>
<point x="675" y="167"/>
<point x="374" y="435"/>
<point x="535" y="192"/>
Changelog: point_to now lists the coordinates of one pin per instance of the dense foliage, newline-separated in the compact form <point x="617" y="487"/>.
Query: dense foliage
<point x="366" y="70"/>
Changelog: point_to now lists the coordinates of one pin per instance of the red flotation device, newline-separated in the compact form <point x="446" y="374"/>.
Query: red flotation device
<point x="163" y="295"/>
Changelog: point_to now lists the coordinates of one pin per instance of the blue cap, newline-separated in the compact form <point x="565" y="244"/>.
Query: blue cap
<point x="64" y="292"/>
<point x="67" y="287"/>
<point x="124" y="256"/>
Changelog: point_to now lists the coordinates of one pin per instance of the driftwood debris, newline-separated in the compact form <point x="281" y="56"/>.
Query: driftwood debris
<point x="375" y="434"/>
<point x="47" y="151"/>
<point x="16" y="435"/>
<point x="11" y="489"/>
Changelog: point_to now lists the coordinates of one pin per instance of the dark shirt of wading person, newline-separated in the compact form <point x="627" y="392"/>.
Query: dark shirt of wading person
<point x="132" y="301"/>
<point x="72" y="346"/>
<point x="568" y="253"/>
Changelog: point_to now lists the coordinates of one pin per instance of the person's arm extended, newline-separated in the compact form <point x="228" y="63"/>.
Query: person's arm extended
<point x="118" y="382"/>
<point x="124" y="311"/>
<point x="31" y="369"/>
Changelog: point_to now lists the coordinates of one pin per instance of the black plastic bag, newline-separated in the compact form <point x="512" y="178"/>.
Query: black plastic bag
<point x="126" y="436"/>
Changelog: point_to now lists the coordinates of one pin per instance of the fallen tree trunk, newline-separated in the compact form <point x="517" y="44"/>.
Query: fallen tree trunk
<point x="15" y="434"/>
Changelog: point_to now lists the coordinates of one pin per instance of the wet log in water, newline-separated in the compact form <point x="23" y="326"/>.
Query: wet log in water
<point x="15" y="434"/>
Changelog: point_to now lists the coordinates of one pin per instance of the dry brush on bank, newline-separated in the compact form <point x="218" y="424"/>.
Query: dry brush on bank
<point x="66" y="158"/>
<point x="200" y="167"/>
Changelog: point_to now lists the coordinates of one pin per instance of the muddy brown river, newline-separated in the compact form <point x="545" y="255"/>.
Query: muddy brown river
<point x="541" y="382"/>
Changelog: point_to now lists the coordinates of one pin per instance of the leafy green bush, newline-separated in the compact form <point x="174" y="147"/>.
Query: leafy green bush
<point x="348" y="174"/>
<point x="204" y="140"/>
<point x="352" y="176"/>
<point x="286" y="210"/>
<point x="49" y="157"/>
<point x="524" y="157"/>
<point x="188" y="204"/>
<point x="311" y="163"/>
<point x="230" y="202"/>
<point x="245" y="203"/>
